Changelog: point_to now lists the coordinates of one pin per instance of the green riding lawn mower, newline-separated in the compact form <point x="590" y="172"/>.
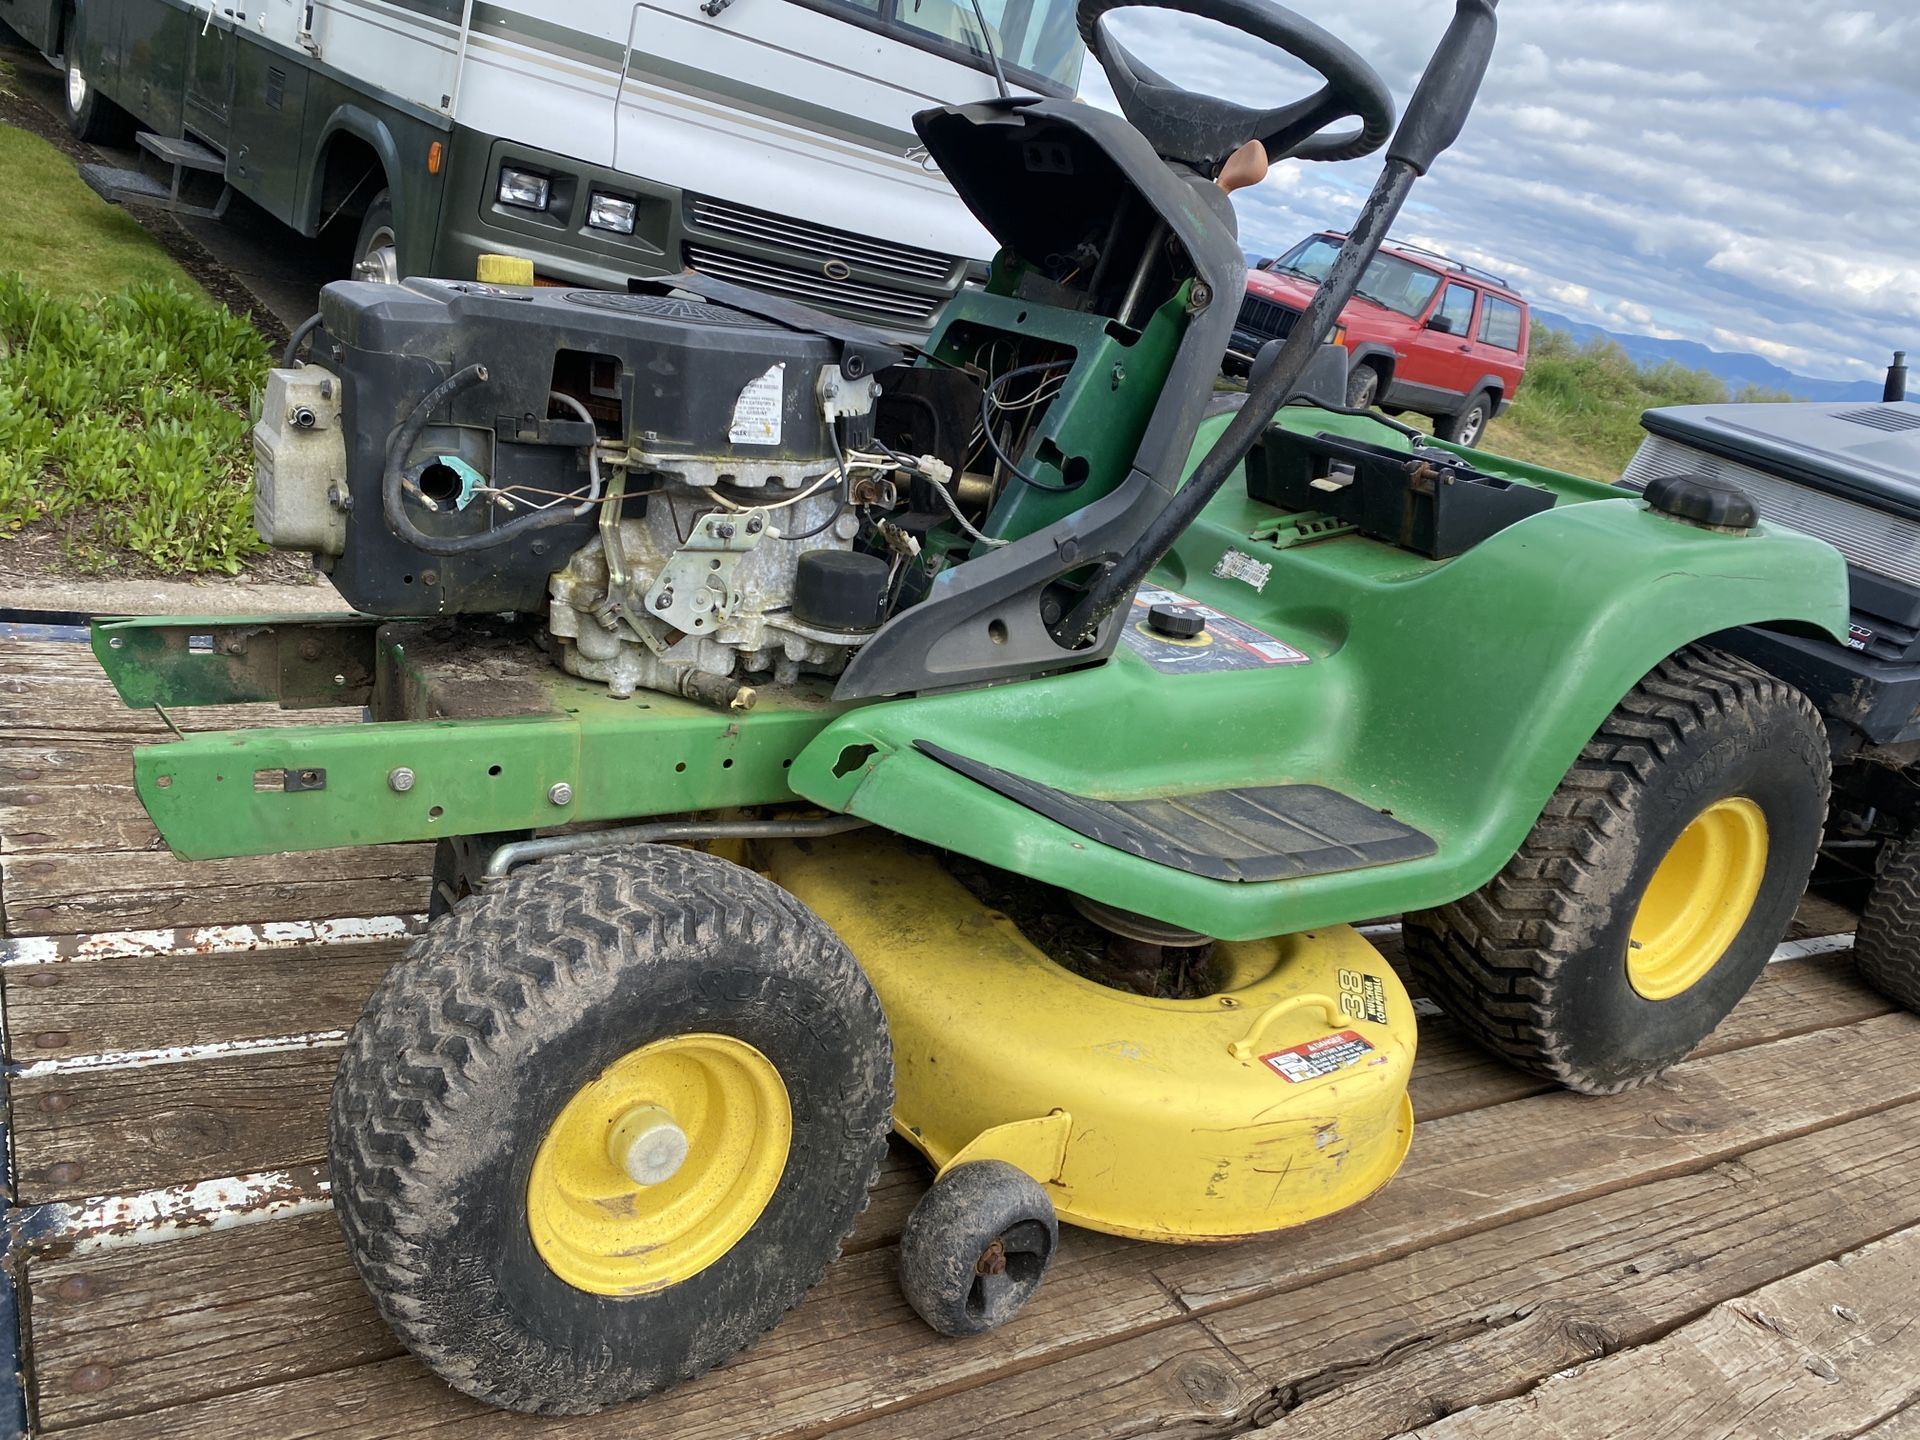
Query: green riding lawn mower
<point x="994" y="741"/>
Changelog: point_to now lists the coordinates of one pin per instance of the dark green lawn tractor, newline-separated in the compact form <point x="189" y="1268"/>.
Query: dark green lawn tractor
<point x="992" y="741"/>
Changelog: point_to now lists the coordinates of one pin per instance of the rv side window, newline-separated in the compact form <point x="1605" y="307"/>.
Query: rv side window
<point x="1037" y="41"/>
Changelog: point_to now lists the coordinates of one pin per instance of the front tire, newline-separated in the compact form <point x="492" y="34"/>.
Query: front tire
<point x="1887" y="946"/>
<point x="376" y="249"/>
<point x="1654" y="888"/>
<point x="605" y="1124"/>
<point x="90" y="115"/>
<point x="1363" y="387"/>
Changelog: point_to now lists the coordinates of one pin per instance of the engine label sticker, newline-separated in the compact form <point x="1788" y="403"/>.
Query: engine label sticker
<point x="1364" y="996"/>
<point x="756" y="414"/>
<point x="1226" y="643"/>
<point x="1325" y="1056"/>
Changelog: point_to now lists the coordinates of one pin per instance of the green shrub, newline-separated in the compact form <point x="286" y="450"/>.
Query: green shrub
<point x="125" y="423"/>
<point x="1580" y="404"/>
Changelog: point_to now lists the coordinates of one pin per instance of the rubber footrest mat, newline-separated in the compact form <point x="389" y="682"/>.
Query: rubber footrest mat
<point x="1273" y="832"/>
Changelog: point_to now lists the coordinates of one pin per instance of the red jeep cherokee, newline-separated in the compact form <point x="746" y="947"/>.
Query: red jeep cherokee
<point x="1425" y="333"/>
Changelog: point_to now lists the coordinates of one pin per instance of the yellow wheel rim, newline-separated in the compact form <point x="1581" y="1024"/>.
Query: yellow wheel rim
<point x="659" y="1165"/>
<point x="1698" y="899"/>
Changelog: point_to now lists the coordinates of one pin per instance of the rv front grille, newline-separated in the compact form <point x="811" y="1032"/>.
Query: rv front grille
<point x="873" y="301"/>
<point x="719" y="218"/>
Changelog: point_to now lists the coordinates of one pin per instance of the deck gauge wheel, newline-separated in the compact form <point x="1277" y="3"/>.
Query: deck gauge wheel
<point x="605" y="1124"/>
<point x="976" y="1247"/>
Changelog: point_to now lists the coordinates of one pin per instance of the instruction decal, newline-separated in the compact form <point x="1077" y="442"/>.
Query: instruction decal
<point x="1226" y="643"/>
<point x="756" y="414"/>
<point x="1364" y="996"/>
<point x="1326" y="1056"/>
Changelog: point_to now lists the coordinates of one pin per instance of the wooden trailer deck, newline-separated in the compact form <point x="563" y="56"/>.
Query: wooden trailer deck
<point x="1733" y="1251"/>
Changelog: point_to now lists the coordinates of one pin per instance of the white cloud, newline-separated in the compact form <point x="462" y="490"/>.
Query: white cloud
<point x="1654" y="165"/>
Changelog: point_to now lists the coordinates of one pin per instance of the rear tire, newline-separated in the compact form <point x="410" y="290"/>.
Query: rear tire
<point x="1571" y="963"/>
<point x="605" y="1124"/>
<point x="1887" y="947"/>
<point x="90" y="115"/>
<point x="1468" y="425"/>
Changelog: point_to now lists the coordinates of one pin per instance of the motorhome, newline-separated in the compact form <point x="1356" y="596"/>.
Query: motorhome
<point x="768" y="142"/>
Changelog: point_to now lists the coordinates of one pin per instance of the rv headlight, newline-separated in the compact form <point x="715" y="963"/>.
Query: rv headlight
<point x="610" y="212"/>
<point x="524" y="188"/>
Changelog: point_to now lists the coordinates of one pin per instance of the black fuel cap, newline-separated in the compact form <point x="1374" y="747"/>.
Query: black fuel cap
<point x="839" y="590"/>
<point x="1176" y="622"/>
<point x="1703" y="500"/>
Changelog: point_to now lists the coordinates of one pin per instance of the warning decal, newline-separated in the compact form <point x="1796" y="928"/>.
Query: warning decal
<point x="1364" y="996"/>
<point x="1226" y="643"/>
<point x="756" y="414"/>
<point x="1325" y="1056"/>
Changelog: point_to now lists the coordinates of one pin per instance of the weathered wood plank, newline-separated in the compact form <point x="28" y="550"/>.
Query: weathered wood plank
<point x="1829" y="1351"/>
<point x="66" y="894"/>
<point x="854" y="1346"/>
<point x="97" y="1007"/>
<point x="1468" y="1174"/>
<point x="1173" y="1382"/>
<point x="1367" y="1355"/>
<point x="1480" y="1319"/>
<point x="115" y="1132"/>
<point x="255" y="1304"/>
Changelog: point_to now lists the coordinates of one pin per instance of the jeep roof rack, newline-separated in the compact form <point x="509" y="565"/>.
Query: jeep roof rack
<point x="1446" y="261"/>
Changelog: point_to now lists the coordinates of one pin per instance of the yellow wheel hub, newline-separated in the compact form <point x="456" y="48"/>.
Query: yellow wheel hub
<point x="1698" y="899"/>
<point x="659" y="1165"/>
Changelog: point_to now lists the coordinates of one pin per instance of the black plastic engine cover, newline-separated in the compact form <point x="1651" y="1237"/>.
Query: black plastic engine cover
<point x="679" y="379"/>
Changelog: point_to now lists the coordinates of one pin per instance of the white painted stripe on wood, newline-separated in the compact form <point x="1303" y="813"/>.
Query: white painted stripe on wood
<point x="179" y="1054"/>
<point x="207" y="939"/>
<point x="107" y="1222"/>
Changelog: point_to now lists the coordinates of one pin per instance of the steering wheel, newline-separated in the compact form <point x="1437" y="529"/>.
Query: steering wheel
<point x="1201" y="131"/>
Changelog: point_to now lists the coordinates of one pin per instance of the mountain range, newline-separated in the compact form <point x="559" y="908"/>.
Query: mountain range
<point x="1736" y="369"/>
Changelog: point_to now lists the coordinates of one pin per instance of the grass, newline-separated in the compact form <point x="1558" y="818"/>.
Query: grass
<point x="68" y="240"/>
<point x="1579" y="408"/>
<point x="124" y="427"/>
<point x="123" y="388"/>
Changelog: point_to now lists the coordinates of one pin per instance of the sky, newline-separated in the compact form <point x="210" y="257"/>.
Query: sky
<point x="1744" y="175"/>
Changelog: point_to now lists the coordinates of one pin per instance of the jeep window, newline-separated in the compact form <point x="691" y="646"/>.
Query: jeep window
<point x="1500" y="324"/>
<point x="1457" y="306"/>
<point x="1036" y="39"/>
<point x="1390" y="281"/>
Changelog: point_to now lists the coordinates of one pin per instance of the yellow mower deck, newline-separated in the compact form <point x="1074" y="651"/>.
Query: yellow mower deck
<point x="1277" y="1101"/>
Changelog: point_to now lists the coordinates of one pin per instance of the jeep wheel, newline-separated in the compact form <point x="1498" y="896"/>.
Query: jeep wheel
<point x="1654" y="888"/>
<point x="1469" y="424"/>
<point x="606" y="1123"/>
<point x="1887" y="948"/>
<point x="1363" y="387"/>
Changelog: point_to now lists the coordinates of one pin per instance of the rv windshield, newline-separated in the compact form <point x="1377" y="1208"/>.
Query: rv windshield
<point x="1036" y="39"/>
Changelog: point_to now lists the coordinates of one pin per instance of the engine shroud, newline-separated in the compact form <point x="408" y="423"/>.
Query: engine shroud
<point x="697" y="393"/>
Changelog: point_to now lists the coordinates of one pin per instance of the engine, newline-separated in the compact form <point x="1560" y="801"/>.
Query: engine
<point x="676" y="484"/>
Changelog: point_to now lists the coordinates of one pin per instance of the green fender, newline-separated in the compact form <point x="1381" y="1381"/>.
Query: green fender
<point x="1454" y="695"/>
